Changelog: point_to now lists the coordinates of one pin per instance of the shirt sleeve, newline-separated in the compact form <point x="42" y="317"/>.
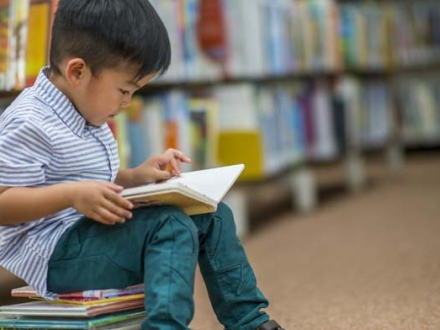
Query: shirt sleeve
<point x="25" y="151"/>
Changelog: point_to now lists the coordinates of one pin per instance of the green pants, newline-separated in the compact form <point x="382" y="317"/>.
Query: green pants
<point x="160" y="246"/>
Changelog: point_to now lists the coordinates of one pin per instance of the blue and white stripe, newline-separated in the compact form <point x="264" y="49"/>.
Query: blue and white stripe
<point x="44" y="140"/>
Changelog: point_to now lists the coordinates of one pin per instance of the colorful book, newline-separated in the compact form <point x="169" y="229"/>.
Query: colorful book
<point x="45" y="308"/>
<point x="5" y="47"/>
<point x="17" y="56"/>
<point x="39" y="24"/>
<point x="28" y="291"/>
<point x="91" y="301"/>
<point x="113" y="321"/>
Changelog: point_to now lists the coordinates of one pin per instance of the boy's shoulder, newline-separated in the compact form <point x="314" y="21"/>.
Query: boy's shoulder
<point x="28" y="106"/>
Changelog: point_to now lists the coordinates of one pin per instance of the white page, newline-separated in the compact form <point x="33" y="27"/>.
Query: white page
<point x="213" y="182"/>
<point x="43" y="306"/>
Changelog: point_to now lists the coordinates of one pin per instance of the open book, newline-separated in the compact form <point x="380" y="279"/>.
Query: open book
<point x="194" y="192"/>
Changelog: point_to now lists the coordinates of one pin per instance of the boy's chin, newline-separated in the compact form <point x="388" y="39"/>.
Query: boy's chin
<point x="98" y="123"/>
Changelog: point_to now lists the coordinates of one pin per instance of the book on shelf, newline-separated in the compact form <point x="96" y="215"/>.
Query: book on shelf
<point x="136" y="131"/>
<point x="5" y="49"/>
<point x="195" y="192"/>
<point x="41" y="14"/>
<point x="202" y="132"/>
<point x="18" y="30"/>
<point x="28" y="291"/>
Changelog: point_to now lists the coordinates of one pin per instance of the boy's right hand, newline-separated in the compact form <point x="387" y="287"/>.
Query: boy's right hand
<point x="100" y="201"/>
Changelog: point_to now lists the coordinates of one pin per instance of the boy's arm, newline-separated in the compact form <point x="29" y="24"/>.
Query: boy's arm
<point x="25" y="152"/>
<point x="23" y="204"/>
<point x="94" y="199"/>
<point x="125" y="178"/>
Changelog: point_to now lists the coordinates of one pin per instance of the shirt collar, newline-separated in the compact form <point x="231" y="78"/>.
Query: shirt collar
<point x="59" y="102"/>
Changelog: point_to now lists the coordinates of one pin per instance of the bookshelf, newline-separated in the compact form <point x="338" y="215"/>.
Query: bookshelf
<point x="291" y="88"/>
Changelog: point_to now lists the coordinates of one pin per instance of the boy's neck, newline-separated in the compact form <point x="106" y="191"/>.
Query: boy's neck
<point x="59" y="82"/>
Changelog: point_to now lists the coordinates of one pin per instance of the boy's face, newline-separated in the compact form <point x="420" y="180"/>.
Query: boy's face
<point x="101" y="98"/>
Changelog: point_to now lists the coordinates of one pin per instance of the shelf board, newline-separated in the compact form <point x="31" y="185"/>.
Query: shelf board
<point x="188" y="84"/>
<point x="162" y="85"/>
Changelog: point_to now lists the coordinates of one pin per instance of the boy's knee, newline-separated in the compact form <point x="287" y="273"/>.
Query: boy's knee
<point x="221" y="223"/>
<point x="177" y="230"/>
<point x="224" y="211"/>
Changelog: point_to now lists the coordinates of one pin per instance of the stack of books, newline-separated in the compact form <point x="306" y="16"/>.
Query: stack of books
<point x="121" y="309"/>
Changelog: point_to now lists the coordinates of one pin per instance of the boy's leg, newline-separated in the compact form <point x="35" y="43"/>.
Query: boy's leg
<point x="228" y="276"/>
<point x="158" y="246"/>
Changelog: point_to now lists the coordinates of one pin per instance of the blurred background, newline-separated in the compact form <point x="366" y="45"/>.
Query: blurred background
<point x="334" y="108"/>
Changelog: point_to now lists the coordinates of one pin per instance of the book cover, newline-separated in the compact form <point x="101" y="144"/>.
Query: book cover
<point x="45" y="308"/>
<point x="135" y="132"/>
<point x="194" y="192"/>
<point x="38" y="38"/>
<point x="211" y="31"/>
<point x="93" y="301"/>
<point x="19" y="29"/>
<point x="153" y="125"/>
<point x="119" y="128"/>
<point x="113" y="321"/>
<point x="28" y="291"/>
<point x="171" y="14"/>
<point x="203" y="132"/>
<point x="5" y="32"/>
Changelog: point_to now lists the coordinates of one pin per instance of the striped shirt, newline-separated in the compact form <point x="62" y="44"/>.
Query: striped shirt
<point x="44" y="140"/>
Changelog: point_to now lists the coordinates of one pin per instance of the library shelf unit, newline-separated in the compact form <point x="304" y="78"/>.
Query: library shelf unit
<point x="313" y="93"/>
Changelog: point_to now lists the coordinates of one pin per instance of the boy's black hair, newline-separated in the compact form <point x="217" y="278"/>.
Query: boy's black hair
<point x="110" y="33"/>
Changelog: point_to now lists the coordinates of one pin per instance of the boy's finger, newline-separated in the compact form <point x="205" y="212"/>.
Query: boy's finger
<point x="118" y="200"/>
<point x="117" y="210"/>
<point x="114" y="187"/>
<point x="181" y="156"/>
<point x="163" y="175"/>
<point x="175" y="166"/>
<point x="101" y="219"/>
<point x="110" y="217"/>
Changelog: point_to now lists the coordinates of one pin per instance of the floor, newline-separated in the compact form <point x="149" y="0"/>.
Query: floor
<point x="362" y="261"/>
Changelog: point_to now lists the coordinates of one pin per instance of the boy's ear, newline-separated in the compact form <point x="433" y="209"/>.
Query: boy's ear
<point x="76" y="71"/>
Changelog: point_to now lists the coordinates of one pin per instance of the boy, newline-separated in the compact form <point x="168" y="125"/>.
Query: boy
<point x="65" y="226"/>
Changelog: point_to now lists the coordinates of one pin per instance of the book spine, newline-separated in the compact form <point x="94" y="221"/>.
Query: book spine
<point x="104" y="294"/>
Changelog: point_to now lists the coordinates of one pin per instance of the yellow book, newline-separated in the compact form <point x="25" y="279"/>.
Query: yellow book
<point x="87" y="297"/>
<point x="38" y="38"/>
<point x="94" y="302"/>
<point x="243" y="147"/>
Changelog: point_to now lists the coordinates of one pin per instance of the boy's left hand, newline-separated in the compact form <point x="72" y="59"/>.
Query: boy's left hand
<point x="160" y="167"/>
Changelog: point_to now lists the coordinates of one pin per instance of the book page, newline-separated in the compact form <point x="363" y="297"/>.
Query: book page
<point x="214" y="182"/>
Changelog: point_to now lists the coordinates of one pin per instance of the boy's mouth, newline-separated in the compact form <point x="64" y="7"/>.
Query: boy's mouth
<point x="115" y="114"/>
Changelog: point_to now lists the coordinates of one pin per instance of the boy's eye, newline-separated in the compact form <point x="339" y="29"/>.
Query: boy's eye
<point x="124" y="92"/>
